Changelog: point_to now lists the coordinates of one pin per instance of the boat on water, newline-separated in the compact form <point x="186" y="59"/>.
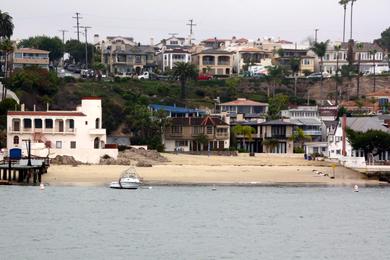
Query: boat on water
<point x="128" y="180"/>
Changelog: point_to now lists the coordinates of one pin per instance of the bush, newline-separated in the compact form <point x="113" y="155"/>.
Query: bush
<point x="299" y="150"/>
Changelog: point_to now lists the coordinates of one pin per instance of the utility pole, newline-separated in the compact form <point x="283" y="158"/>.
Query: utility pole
<point x="316" y="35"/>
<point x="86" y="44"/>
<point x="63" y="35"/>
<point x="191" y="25"/>
<point x="77" y="17"/>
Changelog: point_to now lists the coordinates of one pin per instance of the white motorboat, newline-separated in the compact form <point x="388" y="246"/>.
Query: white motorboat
<point x="128" y="180"/>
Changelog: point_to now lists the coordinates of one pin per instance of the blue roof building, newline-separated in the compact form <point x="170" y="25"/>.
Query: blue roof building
<point x="174" y="111"/>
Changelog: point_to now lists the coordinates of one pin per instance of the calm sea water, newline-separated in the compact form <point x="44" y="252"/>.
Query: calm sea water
<point x="194" y="223"/>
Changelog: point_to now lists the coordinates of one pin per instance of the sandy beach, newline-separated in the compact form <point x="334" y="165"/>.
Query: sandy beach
<point x="197" y="170"/>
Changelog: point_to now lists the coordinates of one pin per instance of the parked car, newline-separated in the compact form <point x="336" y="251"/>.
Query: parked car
<point x="317" y="75"/>
<point x="205" y="77"/>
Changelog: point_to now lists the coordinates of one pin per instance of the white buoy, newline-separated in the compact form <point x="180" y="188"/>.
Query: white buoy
<point x="214" y="188"/>
<point x="356" y="188"/>
<point x="41" y="186"/>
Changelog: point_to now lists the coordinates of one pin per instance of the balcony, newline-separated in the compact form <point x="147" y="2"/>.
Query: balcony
<point x="40" y="130"/>
<point x="97" y="131"/>
<point x="312" y="132"/>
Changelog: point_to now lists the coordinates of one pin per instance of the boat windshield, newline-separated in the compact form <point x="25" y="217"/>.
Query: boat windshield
<point x="129" y="173"/>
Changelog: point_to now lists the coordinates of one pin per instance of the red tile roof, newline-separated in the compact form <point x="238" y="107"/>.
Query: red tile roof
<point x="45" y="113"/>
<point x="91" y="98"/>
<point x="243" y="102"/>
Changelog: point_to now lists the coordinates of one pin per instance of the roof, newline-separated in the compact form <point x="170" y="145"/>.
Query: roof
<point x="367" y="46"/>
<point x="198" y="121"/>
<point x="91" y="98"/>
<point x="215" y="40"/>
<point x="45" y="113"/>
<point x="120" y="37"/>
<point x="306" y="121"/>
<point x="175" y="109"/>
<point x="177" y="51"/>
<point x="243" y="102"/>
<point x="31" y="50"/>
<point x="119" y="140"/>
<point x="284" y="42"/>
<point x="214" y="51"/>
<point x="277" y="122"/>
<point x="251" y="49"/>
<point x="364" y="124"/>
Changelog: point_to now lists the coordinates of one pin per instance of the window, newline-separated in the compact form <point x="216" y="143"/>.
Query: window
<point x="27" y="123"/>
<point x="38" y="123"/>
<point x="49" y="123"/>
<point x="278" y="131"/>
<point x="72" y="145"/>
<point x="174" y="42"/>
<point x="96" y="143"/>
<point x="71" y="123"/>
<point x="59" y="144"/>
<point x="338" y="151"/>
<point x="181" y="143"/>
<point x="86" y="122"/>
<point x="137" y="59"/>
<point x="16" y="139"/>
<point x="176" y="130"/>
<point x="209" y="130"/>
<point x="221" y="131"/>
<point x="16" y="124"/>
<point x="197" y="130"/>
<point x="97" y="123"/>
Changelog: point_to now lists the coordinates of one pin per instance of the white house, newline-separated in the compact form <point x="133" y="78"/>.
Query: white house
<point x="169" y="58"/>
<point x="77" y="133"/>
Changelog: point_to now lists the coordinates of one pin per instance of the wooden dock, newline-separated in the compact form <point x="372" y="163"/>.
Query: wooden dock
<point x="23" y="171"/>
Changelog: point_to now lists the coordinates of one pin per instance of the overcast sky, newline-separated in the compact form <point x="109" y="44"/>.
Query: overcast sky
<point x="290" y="20"/>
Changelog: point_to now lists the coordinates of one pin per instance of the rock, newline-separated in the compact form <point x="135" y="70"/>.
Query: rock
<point x="65" y="160"/>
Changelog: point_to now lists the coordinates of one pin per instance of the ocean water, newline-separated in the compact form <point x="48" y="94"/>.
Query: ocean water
<point x="194" y="223"/>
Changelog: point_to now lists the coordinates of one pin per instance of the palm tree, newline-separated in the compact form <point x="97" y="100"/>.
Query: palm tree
<point x="246" y="132"/>
<point x="7" y="48"/>
<point x="344" y="3"/>
<point x="300" y="137"/>
<point x="359" y="47"/>
<point x="337" y="49"/>
<point x="373" y="54"/>
<point x="352" y="1"/>
<point x="295" y="65"/>
<point x="184" y="71"/>
<point x="319" y="48"/>
<point x="275" y="75"/>
<point x="6" y="25"/>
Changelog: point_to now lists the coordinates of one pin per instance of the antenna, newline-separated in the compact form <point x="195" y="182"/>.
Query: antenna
<point x="63" y="35"/>
<point x="191" y="25"/>
<point x="173" y="34"/>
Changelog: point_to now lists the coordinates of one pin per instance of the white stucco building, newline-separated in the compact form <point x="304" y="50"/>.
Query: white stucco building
<point x="77" y="133"/>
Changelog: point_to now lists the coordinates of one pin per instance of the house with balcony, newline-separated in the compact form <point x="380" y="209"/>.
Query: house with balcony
<point x="168" y="58"/>
<point x="25" y="57"/>
<point x="242" y="109"/>
<point x="214" y="62"/>
<point x="276" y="136"/>
<point x="196" y="134"/>
<point x="78" y="133"/>
<point x="307" y="61"/>
<point x="365" y="55"/>
<point x="246" y="57"/>
<point x="122" y="56"/>
<point x="174" y="111"/>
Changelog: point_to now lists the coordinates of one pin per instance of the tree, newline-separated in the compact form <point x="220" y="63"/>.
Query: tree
<point x="352" y="2"/>
<point x="54" y="45"/>
<point x="275" y="76"/>
<point x="295" y="66"/>
<point x="270" y="144"/>
<point x="337" y="49"/>
<point x="371" y="142"/>
<point x="373" y="54"/>
<point x="184" y="71"/>
<point x="300" y="137"/>
<point x="276" y="105"/>
<point x="319" y="48"/>
<point x="7" y="48"/>
<point x="246" y="132"/>
<point x="6" y="25"/>
<point x="359" y="48"/>
<point x="384" y="41"/>
<point x="76" y="50"/>
<point x="201" y="140"/>
<point x="344" y="3"/>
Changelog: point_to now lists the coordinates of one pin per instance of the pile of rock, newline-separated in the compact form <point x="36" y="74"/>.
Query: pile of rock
<point x="65" y="160"/>
<point x="136" y="157"/>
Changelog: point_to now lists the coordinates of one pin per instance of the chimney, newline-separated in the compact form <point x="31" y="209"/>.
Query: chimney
<point x="22" y="107"/>
<point x="152" y="41"/>
<point x="35" y="107"/>
<point x="344" y="129"/>
<point x="96" y="39"/>
<point x="47" y="106"/>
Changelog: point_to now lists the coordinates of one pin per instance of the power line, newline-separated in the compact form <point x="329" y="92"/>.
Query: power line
<point x="86" y="44"/>
<point x="63" y="35"/>
<point x="77" y="17"/>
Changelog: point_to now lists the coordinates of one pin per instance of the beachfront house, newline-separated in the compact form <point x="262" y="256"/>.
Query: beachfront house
<point x="78" y="133"/>
<point x="339" y="147"/>
<point x="174" y="111"/>
<point x="196" y="134"/>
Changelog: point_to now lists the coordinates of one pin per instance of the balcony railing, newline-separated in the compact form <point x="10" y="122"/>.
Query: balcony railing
<point x="41" y="130"/>
<point x="223" y="63"/>
<point x="208" y="62"/>
<point x="97" y="131"/>
<point x="312" y="132"/>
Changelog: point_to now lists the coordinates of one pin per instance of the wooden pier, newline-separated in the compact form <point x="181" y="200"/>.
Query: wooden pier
<point x="23" y="171"/>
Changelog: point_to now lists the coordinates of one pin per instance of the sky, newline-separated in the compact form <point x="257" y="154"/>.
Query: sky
<point x="285" y="19"/>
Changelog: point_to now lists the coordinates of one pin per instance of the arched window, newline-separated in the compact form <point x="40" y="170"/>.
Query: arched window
<point x="16" y="139"/>
<point x="96" y="143"/>
<point x="97" y="123"/>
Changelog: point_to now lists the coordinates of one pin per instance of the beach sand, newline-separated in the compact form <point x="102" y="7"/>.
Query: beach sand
<point x="197" y="170"/>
